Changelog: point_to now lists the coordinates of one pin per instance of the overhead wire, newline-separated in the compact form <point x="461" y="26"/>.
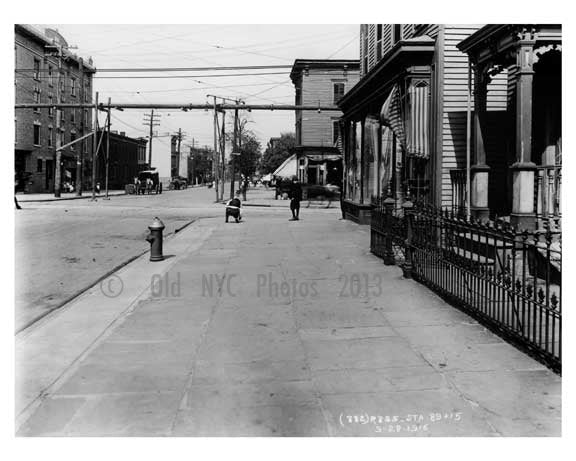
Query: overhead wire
<point x="344" y="46"/>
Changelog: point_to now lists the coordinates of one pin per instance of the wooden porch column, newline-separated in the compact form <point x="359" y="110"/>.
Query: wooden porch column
<point x="344" y="133"/>
<point x="363" y="159"/>
<point x="523" y="170"/>
<point x="479" y="170"/>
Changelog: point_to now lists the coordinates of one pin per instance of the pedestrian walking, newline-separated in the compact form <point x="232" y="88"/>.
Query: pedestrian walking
<point x="244" y="187"/>
<point x="18" y="207"/>
<point x="295" y="199"/>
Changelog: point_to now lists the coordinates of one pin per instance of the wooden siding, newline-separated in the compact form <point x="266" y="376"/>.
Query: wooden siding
<point x="455" y="102"/>
<point x="317" y="88"/>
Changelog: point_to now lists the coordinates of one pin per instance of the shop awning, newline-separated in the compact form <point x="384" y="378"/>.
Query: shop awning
<point x="323" y="157"/>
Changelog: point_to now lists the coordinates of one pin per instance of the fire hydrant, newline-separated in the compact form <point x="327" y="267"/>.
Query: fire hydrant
<point x="155" y="239"/>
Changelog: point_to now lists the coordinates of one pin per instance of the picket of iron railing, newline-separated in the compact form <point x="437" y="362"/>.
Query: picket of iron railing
<point x="508" y="278"/>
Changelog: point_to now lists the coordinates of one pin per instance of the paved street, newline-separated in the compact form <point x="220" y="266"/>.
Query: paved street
<point x="273" y="328"/>
<point x="63" y="247"/>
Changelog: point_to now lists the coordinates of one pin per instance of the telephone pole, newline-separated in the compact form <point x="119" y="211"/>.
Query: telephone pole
<point x="236" y="143"/>
<point x="95" y="147"/>
<point x="236" y="146"/>
<point x="59" y="118"/>
<point x="80" y="159"/>
<point x="108" y="147"/>
<point x="215" y="156"/>
<point x="193" y="174"/>
<point x="178" y="157"/>
<point x="152" y="120"/>
<point x="223" y="154"/>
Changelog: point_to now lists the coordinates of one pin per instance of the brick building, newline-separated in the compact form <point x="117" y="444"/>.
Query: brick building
<point x="47" y="72"/>
<point x="127" y="157"/>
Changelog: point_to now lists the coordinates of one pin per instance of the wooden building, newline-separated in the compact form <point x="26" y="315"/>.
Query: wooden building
<point x="521" y="176"/>
<point x="46" y="71"/>
<point x="322" y="83"/>
<point x="432" y="96"/>
<point x="405" y="121"/>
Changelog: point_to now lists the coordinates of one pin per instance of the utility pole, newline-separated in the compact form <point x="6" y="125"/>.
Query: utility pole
<point x="223" y="153"/>
<point x="58" y="159"/>
<point x="215" y="156"/>
<point x="234" y="151"/>
<point x="178" y="158"/>
<point x="108" y="147"/>
<point x="80" y="159"/>
<point x="152" y="120"/>
<point x="94" y="147"/>
<point x="236" y="144"/>
<point x="193" y="174"/>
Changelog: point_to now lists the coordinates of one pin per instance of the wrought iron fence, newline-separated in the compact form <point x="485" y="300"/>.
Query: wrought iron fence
<point x="388" y="231"/>
<point x="508" y="279"/>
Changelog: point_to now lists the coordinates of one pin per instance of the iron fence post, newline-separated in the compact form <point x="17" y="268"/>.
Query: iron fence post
<point x="389" y="230"/>
<point x="409" y="217"/>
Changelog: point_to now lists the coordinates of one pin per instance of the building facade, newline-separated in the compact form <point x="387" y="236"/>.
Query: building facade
<point x="522" y="178"/>
<point x="409" y="123"/>
<point x="47" y="72"/>
<point x="126" y="158"/>
<point x="322" y="83"/>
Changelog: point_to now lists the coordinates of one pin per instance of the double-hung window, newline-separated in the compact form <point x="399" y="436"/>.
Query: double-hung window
<point x="36" y="133"/>
<point x="338" y="91"/>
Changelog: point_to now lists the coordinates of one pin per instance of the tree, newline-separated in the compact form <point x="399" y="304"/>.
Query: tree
<point x="277" y="151"/>
<point x="250" y="153"/>
<point x="200" y="164"/>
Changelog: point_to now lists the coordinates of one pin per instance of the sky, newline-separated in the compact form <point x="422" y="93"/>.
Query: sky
<point x="203" y="45"/>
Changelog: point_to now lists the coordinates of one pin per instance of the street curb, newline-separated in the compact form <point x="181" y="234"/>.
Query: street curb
<point x="83" y="197"/>
<point x="22" y="199"/>
<point x="92" y="285"/>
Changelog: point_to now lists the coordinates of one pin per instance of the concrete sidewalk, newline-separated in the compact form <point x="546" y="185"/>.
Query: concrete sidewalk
<point x="262" y="197"/>
<point x="276" y="328"/>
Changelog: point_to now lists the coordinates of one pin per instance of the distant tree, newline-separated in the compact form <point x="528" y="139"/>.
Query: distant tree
<point x="250" y="154"/>
<point x="201" y="163"/>
<point x="277" y="152"/>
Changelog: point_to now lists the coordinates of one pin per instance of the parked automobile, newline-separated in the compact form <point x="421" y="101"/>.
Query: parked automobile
<point x="148" y="182"/>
